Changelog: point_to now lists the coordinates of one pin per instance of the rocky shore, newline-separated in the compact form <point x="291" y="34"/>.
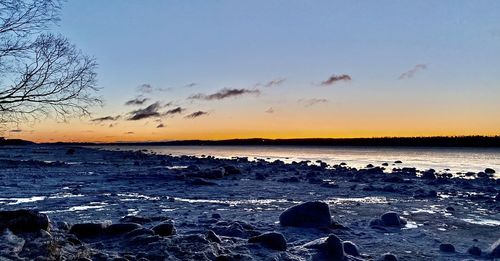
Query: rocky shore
<point x="60" y="203"/>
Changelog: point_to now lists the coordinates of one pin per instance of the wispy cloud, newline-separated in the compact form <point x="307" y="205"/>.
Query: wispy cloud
<point x="106" y="118"/>
<point x="412" y="72"/>
<point x="223" y="93"/>
<point x="175" y="111"/>
<point x="161" y="125"/>
<point x="270" y="110"/>
<point x="145" y="88"/>
<point x="311" y="102"/>
<point x="192" y="84"/>
<point x="148" y="112"/>
<point x="129" y="132"/>
<point x="137" y="101"/>
<point x="196" y="114"/>
<point x="272" y="83"/>
<point x="336" y="78"/>
<point x="16" y="131"/>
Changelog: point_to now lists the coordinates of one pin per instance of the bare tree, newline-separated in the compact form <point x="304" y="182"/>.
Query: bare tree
<point x="41" y="74"/>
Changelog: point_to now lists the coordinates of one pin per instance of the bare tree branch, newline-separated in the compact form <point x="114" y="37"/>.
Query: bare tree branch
<point x="41" y="74"/>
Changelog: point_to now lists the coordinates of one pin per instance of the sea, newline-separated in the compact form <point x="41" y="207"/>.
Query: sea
<point x="453" y="160"/>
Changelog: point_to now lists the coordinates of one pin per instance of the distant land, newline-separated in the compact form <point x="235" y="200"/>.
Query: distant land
<point x="4" y="141"/>
<point x="442" y="141"/>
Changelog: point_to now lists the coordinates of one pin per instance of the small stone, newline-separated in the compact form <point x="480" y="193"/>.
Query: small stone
<point x="271" y="240"/>
<point x="398" y="162"/>
<point x="165" y="229"/>
<point x="475" y="251"/>
<point x="309" y="214"/>
<point x="489" y="171"/>
<point x="448" y="248"/>
<point x="121" y="228"/>
<point x="388" y="257"/>
<point x="350" y="248"/>
<point x="391" y="219"/>
<point x="334" y="247"/>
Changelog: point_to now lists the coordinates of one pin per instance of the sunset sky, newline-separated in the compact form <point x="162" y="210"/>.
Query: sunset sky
<point x="283" y="69"/>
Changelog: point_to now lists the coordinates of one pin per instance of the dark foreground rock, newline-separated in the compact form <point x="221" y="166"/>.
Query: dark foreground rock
<point x="494" y="250"/>
<point x="309" y="214"/>
<point x="21" y="221"/>
<point x="272" y="240"/>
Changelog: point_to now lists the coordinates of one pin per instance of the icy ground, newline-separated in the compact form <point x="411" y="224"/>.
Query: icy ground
<point x="238" y="199"/>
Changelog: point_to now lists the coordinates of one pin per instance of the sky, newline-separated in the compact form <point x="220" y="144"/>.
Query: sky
<point x="283" y="69"/>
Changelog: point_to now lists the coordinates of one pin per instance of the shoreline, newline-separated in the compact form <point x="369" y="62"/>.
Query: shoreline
<point x="237" y="199"/>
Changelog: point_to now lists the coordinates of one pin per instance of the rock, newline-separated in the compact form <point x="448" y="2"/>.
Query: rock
<point x="392" y="219"/>
<point x="165" y="229"/>
<point x="497" y="197"/>
<point x="231" y="170"/>
<point x="23" y="220"/>
<point x="475" y="251"/>
<point x="428" y="175"/>
<point x="398" y="162"/>
<point x="309" y="214"/>
<point x="88" y="230"/>
<point x="121" y="228"/>
<point x="448" y="248"/>
<point x="489" y="171"/>
<point x="385" y="164"/>
<point x="350" y="248"/>
<point x="211" y="236"/>
<point x="494" y="249"/>
<point x="260" y="176"/>
<point x="334" y="247"/>
<point x="271" y="240"/>
<point x="63" y="225"/>
<point x="388" y="257"/>
<point x="216" y="215"/>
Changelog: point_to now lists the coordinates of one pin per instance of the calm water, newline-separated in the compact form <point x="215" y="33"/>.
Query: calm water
<point x="455" y="159"/>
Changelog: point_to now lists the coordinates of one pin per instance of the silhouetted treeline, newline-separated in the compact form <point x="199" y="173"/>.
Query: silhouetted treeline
<point x="4" y="141"/>
<point x="456" y="141"/>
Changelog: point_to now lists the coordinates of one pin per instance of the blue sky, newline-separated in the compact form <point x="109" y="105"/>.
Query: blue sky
<point x="238" y="44"/>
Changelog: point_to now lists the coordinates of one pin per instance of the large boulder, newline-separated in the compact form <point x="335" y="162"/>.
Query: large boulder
<point x="389" y="219"/>
<point x="309" y="214"/>
<point x="23" y="221"/>
<point x="272" y="240"/>
<point x="121" y="228"/>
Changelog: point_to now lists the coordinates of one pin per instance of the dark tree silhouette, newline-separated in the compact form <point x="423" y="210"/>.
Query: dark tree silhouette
<point x="41" y="74"/>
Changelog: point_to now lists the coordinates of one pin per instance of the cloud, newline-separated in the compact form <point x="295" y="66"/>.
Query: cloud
<point x="145" y="88"/>
<point x="311" y="102"/>
<point x="16" y="130"/>
<point x="137" y="101"/>
<point x="174" y="111"/>
<point x="223" y="93"/>
<point x="336" y="78"/>
<point x="106" y="118"/>
<point x="196" y="114"/>
<point x="270" y="110"/>
<point x="271" y="83"/>
<point x="192" y="84"/>
<point x="160" y="125"/>
<point x="148" y="112"/>
<point x="129" y="133"/>
<point x="412" y="72"/>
